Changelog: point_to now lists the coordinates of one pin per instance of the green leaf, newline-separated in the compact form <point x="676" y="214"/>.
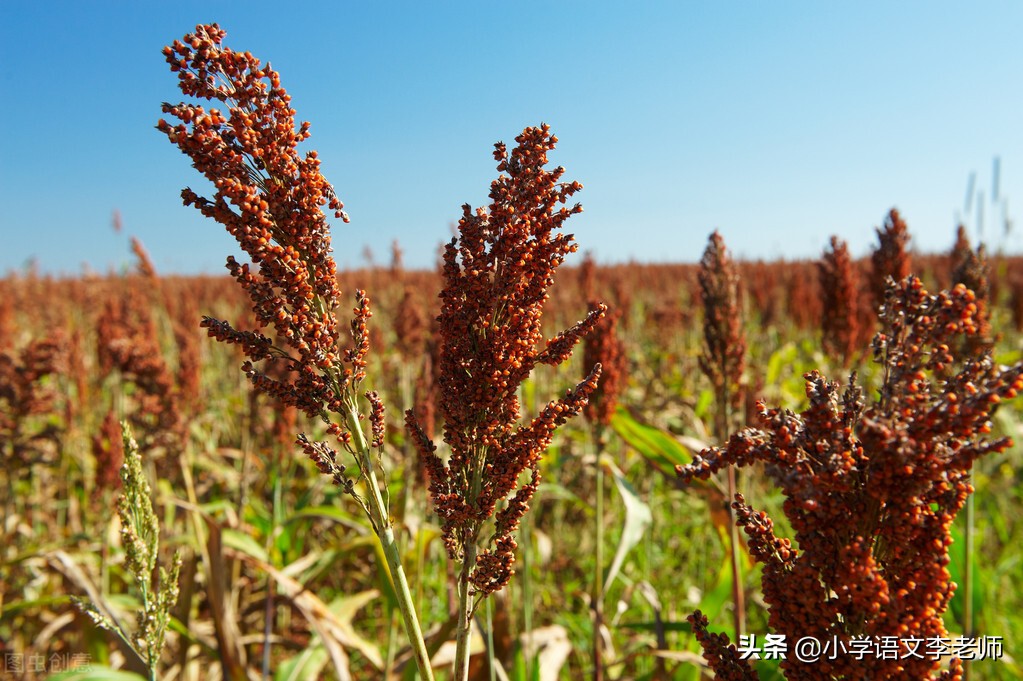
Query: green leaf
<point x="956" y="569"/>
<point x="553" y="490"/>
<point x="782" y="357"/>
<point x="306" y="666"/>
<point x="637" y="519"/>
<point x="658" y="447"/>
<point x="519" y="668"/>
<point x="703" y="404"/>
<point x="244" y="543"/>
<point x="331" y="513"/>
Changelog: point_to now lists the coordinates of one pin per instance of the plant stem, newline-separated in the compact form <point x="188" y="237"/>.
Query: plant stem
<point x="464" y="614"/>
<point x="382" y="525"/>
<point x="968" y="579"/>
<point x="491" y="665"/>
<point x="738" y="595"/>
<point x="527" y="595"/>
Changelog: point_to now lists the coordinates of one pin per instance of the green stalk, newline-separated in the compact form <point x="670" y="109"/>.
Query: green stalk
<point x="464" y="636"/>
<point x="968" y="579"/>
<point x="738" y="595"/>
<point x="382" y="525"/>
<point x="527" y="595"/>
<point x="491" y="664"/>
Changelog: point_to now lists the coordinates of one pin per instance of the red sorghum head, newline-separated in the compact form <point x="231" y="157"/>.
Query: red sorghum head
<point x="840" y="291"/>
<point x="724" y="346"/>
<point x="891" y="257"/>
<point x="497" y="273"/>
<point x="872" y="488"/>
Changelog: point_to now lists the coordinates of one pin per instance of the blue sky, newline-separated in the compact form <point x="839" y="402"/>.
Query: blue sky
<point x="777" y="123"/>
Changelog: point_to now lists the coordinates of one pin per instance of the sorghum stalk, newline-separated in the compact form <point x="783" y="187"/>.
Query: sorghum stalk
<point x="970" y="269"/>
<point x="269" y="198"/>
<point x="723" y="360"/>
<point x="497" y="273"/>
<point x="605" y="348"/>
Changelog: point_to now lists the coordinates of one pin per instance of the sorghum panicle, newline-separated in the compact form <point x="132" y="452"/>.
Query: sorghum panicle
<point x="840" y="291"/>
<point x="108" y="450"/>
<point x="970" y="268"/>
<point x="270" y="199"/>
<point x="872" y="489"/>
<point x="588" y="278"/>
<point x="722" y="657"/>
<point x="891" y="257"/>
<point x="605" y="348"/>
<point x="410" y="326"/>
<point x="128" y="342"/>
<point x="961" y="250"/>
<point x="496" y="276"/>
<point x="24" y="393"/>
<point x="724" y="346"/>
<point x="145" y="263"/>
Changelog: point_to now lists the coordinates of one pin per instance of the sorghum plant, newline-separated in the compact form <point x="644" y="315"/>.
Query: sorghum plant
<point x="108" y="451"/>
<point x="270" y="198"/>
<point x="723" y="360"/>
<point x="970" y="268"/>
<point x="961" y="250"/>
<point x="601" y="348"/>
<point x="724" y="346"/>
<point x="871" y="492"/>
<point x="891" y="257"/>
<point x="497" y="273"/>
<point x="24" y="394"/>
<point x="140" y="536"/>
<point x="604" y="347"/>
<point x="840" y="292"/>
<point x="129" y="352"/>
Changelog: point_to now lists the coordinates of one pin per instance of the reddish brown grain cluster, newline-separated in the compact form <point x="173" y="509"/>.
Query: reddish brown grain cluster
<point x="128" y="344"/>
<point x="24" y="393"/>
<point x="145" y="263"/>
<point x="840" y="292"/>
<point x="872" y="490"/>
<point x="970" y="268"/>
<point x="270" y="199"/>
<point x="108" y="450"/>
<point x="410" y="326"/>
<point x="497" y="273"/>
<point x="722" y="657"/>
<point x="724" y="345"/>
<point x="891" y="257"/>
<point x="605" y="348"/>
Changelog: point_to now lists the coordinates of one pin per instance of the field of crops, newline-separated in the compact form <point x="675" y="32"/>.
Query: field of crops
<point x="275" y="558"/>
<point x="414" y="475"/>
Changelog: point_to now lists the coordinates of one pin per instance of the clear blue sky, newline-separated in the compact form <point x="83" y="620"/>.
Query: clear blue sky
<point x="778" y="123"/>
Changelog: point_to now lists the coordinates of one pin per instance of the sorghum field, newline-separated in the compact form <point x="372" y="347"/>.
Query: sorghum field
<point x="510" y="467"/>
